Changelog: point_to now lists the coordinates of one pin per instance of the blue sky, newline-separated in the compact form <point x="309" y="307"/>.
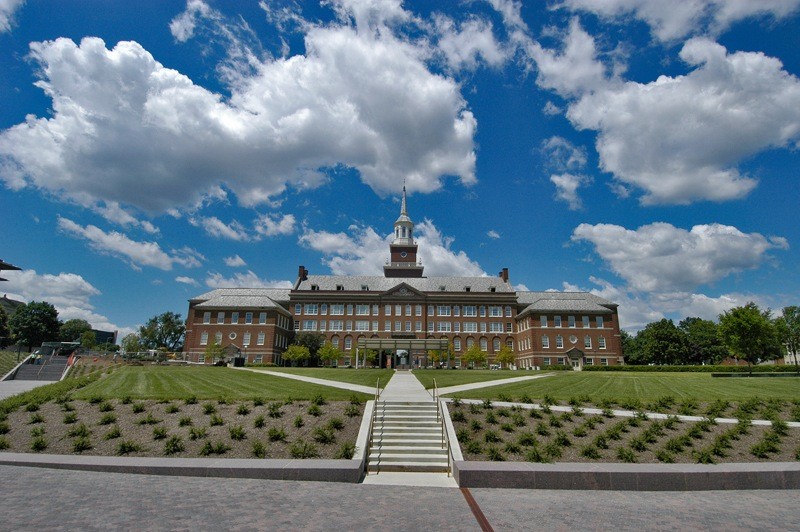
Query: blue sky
<point x="645" y="150"/>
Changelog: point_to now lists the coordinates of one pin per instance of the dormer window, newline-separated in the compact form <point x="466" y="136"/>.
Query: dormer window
<point x="364" y="287"/>
<point x="492" y="289"/>
<point x="339" y="287"/>
<point x="315" y="287"/>
<point x="467" y="288"/>
<point x="442" y="288"/>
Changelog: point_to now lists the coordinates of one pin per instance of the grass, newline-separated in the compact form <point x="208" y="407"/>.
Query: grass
<point x="644" y="387"/>
<point x="451" y="377"/>
<point x="8" y="360"/>
<point x="165" y="382"/>
<point x="364" y="377"/>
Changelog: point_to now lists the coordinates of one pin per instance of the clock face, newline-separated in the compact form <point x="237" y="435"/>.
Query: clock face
<point x="403" y="254"/>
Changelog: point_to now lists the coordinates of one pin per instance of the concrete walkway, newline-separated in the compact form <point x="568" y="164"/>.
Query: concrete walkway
<point x="404" y="386"/>
<point x="9" y="388"/>
<point x="486" y="384"/>
<point x="314" y="380"/>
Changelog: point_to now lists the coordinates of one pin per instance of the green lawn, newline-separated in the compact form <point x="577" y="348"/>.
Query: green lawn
<point x="171" y="382"/>
<point x="445" y="377"/>
<point x="364" y="377"/>
<point x="8" y="360"/>
<point x="643" y="386"/>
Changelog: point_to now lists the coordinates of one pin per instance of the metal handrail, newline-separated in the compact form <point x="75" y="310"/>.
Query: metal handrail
<point x="372" y="422"/>
<point x="445" y="437"/>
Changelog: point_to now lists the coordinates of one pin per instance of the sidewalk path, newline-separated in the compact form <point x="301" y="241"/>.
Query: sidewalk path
<point x="404" y="386"/>
<point x="314" y="380"/>
<point x="486" y="384"/>
<point x="9" y="388"/>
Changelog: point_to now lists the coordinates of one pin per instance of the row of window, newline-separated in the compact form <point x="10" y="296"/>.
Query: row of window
<point x="526" y="363"/>
<point x="280" y="339"/>
<point x="341" y="309"/>
<point x="282" y="321"/>
<point x="401" y="326"/>
<point x="457" y="343"/>
<point x="586" y="322"/>
<point x="525" y="344"/>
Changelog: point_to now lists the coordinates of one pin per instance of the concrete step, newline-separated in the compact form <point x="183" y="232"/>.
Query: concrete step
<point x="409" y="457"/>
<point x="408" y="467"/>
<point x="393" y="450"/>
<point x="415" y="442"/>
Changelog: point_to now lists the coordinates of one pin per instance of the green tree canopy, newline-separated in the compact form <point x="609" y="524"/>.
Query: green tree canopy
<point x="296" y="353"/>
<point x="131" y="343"/>
<point x="369" y="355"/>
<point x="34" y="323"/>
<point x="215" y="352"/>
<point x="788" y="326"/>
<point x="749" y="333"/>
<point x="5" y="332"/>
<point x="71" y="330"/>
<point x="661" y="342"/>
<point x="88" y="339"/>
<point x="164" y="330"/>
<point x="703" y="341"/>
<point x="475" y="356"/>
<point x="313" y="341"/>
<point x="505" y="356"/>
<point x="328" y="353"/>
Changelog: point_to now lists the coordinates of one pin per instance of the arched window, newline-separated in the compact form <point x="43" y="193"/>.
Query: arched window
<point x="496" y="345"/>
<point x="484" y="344"/>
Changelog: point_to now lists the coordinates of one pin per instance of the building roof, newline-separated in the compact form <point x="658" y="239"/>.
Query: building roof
<point x="243" y="298"/>
<point x="375" y="283"/>
<point x="564" y="302"/>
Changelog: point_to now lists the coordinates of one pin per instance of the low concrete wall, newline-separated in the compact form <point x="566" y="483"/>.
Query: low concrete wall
<point x="634" y="477"/>
<point x="319" y="470"/>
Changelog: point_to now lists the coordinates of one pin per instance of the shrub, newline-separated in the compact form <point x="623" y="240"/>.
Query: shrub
<point x="494" y="454"/>
<point x="259" y="422"/>
<point x="578" y="411"/>
<point x="5" y="445"/>
<point x="128" y="447"/>
<point x="528" y="439"/>
<point x="566" y="417"/>
<point x="159" y="433"/>
<point x="780" y="427"/>
<point x="474" y="409"/>
<point x="185" y="421"/>
<point x="346" y="451"/>
<point x="508" y="427"/>
<point x="356" y="400"/>
<point x="303" y="449"/>
<point x="237" y="433"/>
<point x="336" y="423"/>
<point x="324" y="435"/>
<point x="491" y="419"/>
<point x="258" y="401"/>
<point x="536" y="455"/>
<point x="491" y="436"/>
<point x="298" y="421"/>
<point x="318" y="400"/>
<point x="314" y="410"/>
<point x="259" y="450"/>
<point x="38" y="444"/>
<point x="555" y="422"/>
<point x="638" y="444"/>
<point x="601" y="442"/>
<point x="542" y="430"/>
<point x="662" y="455"/>
<point x="70" y="418"/>
<point x="504" y="398"/>
<point x="37" y="431"/>
<point x="81" y="444"/>
<point x="215" y="448"/>
<point x="458" y="416"/>
<point x="36" y="418"/>
<point x="138" y="408"/>
<point x="276" y="434"/>
<point x="579" y="431"/>
<point x="4" y="428"/>
<point x="590" y="451"/>
<point x="534" y="413"/>
<point x="475" y="425"/>
<point x="687" y="407"/>
<point x="107" y="419"/>
<point x="80" y="431"/>
<point x="95" y="399"/>
<point x="548" y="400"/>
<point x="463" y="435"/>
<point x="552" y="451"/>
<point x="593" y="421"/>
<point x="352" y="410"/>
<point x="562" y="439"/>
<point x="216" y="421"/>
<point x="487" y="404"/>
<point x="209" y="408"/>
<point x="704" y="456"/>
<point x="173" y="445"/>
<point x="626" y="455"/>
<point x="149" y="419"/>
<point x="198" y="433"/>
<point x="127" y="400"/>
<point x="512" y="448"/>
<point x="173" y="409"/>
<point x="474" y="447"/>
<point x="67" y="407"/>
<point x="105" y="406"/>
<point x="243" y="410"/>
<point x="518" y="420"/>
<point x="525" y="398"/>
<point x="112" y="434"/>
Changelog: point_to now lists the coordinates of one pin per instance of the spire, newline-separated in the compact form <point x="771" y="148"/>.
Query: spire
<point x="403" y="204"/>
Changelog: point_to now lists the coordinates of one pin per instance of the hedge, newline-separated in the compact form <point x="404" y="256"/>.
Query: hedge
<point x="700" y="369"/>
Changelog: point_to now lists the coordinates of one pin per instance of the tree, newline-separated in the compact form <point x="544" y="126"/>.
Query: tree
<point x="704" y="344"/>
<point x="749" y="334"/>
<point x="662" y="342"/>
<point x="34" y="323"/>
<point x="5" y="333"/>
<point x="370" y="355"/>
<point x="88" y="339"/>
<point x="475" y="356"/>
<point x="296" y="353"/>
<point x="164" y="330"/>
<point x="434" y="357"/>
<point x="311" y="340"/>
<point x="505" y="356"/>
<point x="631" y="348"/>
<point x="328" y="353"/>
<point x="131" y="343"/>
<point x="788" y="326"/>
<point x="215" y="352"/>
<point x="72" y="330"/>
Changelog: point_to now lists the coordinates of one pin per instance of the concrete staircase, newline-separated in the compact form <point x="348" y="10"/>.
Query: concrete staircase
<point x="50" y="370"/>
<point x="407" y="437"/>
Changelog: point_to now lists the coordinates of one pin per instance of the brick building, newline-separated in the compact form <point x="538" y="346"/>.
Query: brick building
<point x="403" y="314"/>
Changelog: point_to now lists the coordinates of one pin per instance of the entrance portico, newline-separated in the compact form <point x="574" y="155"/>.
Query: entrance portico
<point x="412" y="346"/>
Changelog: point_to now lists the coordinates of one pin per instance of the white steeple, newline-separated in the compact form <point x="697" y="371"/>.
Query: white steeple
<point x="403" y="226"/>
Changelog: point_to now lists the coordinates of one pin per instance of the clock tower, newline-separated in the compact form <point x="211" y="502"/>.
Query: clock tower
<point x="403" y="260"/>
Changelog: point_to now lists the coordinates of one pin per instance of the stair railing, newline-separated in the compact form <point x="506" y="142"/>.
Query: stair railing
<point x="445" y="436"/>
<point x="436" y="398"/>
<point x="372" y="423"/>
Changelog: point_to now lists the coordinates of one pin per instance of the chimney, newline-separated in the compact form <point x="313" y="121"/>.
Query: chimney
<point x="302" y="273"/>
<point x="504" y="275"/>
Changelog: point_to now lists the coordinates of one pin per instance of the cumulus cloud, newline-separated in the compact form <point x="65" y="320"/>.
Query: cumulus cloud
<point x="137" y="254"/>
<point x="270" y="225"/>
<point x="670" y="21"/>
<point x="680" y="138"/>
<point x="186" y="280"/>
<point x="112" y="212"/>
<point x="126" y="129"/>
<point x="219" y="229"/>
<point x="560" y="154"/>
<point x="567" y="185"/>
<point x="493" y="234"/>
<point x="364" y="251"/>
<point x="663" y="258"/>
<point x="469" y="45"/>
<point x="243" y="280"/>
<point x="235" y="262"/>
<point x="7" y="10"/>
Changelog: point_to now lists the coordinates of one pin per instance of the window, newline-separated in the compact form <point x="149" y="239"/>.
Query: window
<point x="248" y="317"/>
<point x="482" y="311"/>
<point x="430" y="310"/>
<point x="457" y="327"/>
<point x="398" y="326"/>
<point x="340" y="287"/>
<point x="456" y="310"/>
<point x="588" y="361"/>
<point x="376" y="309"/>
<point x="571" y="321"/>
<point x="375" y="326"/>
<point x="470" y="326"/>
<point x="322" y="325"/>
<point x="335" y="342"/>
<point x="508" y="311"/>
<point x="362" y="310"/>
<point x="418" y="326"/>
<point x="349" y="310"/>
<point x="323" y="309"/>
<point x="430" y="326"/>
<point x="484" y="344"/>
<point x="586" y="322"/>
<point x="362" y="325"/>
<point x="559" y="342"/>
<point x="262" y="318"/>
<point x="408" y="310"/>
<point x="470" y="342"/>
<point x="298" y="308"/>
<point x="234" y="317"/>
<point x="496" y="327"/>
<point x="496" y="345"/>
<point x="206" y="318"/>
<point x="335" y="325"/>
<point x="443" y="326"/>
<point x="218" y="338"/>
<point x="587" y="342"/>
<point x="309" y="325"/>
<point x="545" y="342"/>
<point x="483" y="326"/>
<point x="601" y="342"/>
<point x="246" y="339"/>
<point x="495" y="312"/>
<point x="560" y="361"/>
<point x="398" y="310"/>
<point x="387" y="326"/>
<point x="204" y="338"/>
<point x="418" y="310"/>
<point x="220" y="317"/>
<point x="509" y="327"/>
<point x="604" y="362"/>
<point x="546" y="361"/>
<point x="315" y="287"/>
<point x="408" y="326"/>
<point x="348" y="325"/>
<point x="443" y="310"/>
<point x="348" y="343"/>
<point x="556" y="321"/>
<point x="387" y="310"/>
<point x="470" y="311"/>
<point x="599" y="322"/>
<point x="297" y="325"/>
<point x="364" y="287"/>
<point x="337" y="310"/>
<point x="457" y="344"/>
<point x="260" y="339"/>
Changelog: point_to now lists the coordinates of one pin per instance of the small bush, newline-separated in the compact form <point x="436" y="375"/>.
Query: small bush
<point x="67" y="407"/>
<point x="149" y="419"/>
<point x="487" y="404"/>
<point x="159" y="433"/>
<point x="704" y="456"/>
<point x="463" y="435"/>
<point x="113" y="434"/>
<point x="552" y="451"/>
<point x="549" y="400"/>
<point x="475" y="425"/>
<point x="566" y="417"/>
<point x="352" y="410"/>
<point x="5" y="445"/>
<point x="37" y="431"/>
<point x="209" y="408"/>
<point x="36" y="418"/>
<point x="105" y="406"/>
<point x="601" y="442"/>
<point x="324" y="435"/>
<point x="81" y="444"/>
<point x="474" y="447"/>
<point x="237" y="433"/>
<point x="503" y="412"/>
<point x="318" y="400"/>
<point x="303" y="449"/>
<point x="527" y="439"/>
<point x="534" y="413"/>
<point x="198" y="433"/>
<point x="494" y="454"/>
<point x="314" y="410"/>
<point x="491" y="436"/>
<point x="491" y="419"/>
<point x="259" y="422"/>
<point x="38" y="444"/>
<point x="507" y="427"/>
<point x="525" y="398"/>
<point x="562" y="439"/>
<point x="214" y="448"/>
<point x="336" y="423"/>
<point x="663" y="455"/>
<point x="185" y="421"/>
<point x="258" y="401"/>
<point x="259" y="450"/>
<point x="127" y="400"/>
<point x="276" y="434"/>
<point x="780" y="427"/>
<point x="555" y="422"/>
<point x="542" y="430"/>
<point x="95" y="399"/>
<point x="590" y="451"/>
<point x="638" y="444"/>
<point x="626" y="455"/>
<point x="504" y="398"/>
<point x="298" y="421"/>
<point x="128" y="447"/>
<point x="579" y="431"/>
<point x="243" y="410"/>
<point x="81" y="431"/>
<point x="346" y="451"/>
<point x="107" y="419"/>
<point x="534" y="454"/>
<point x="138" y="408"/>
<point x="173" y="445"/>
<point x="172" y="409"/>
<point x="458" y="416"/>
<point x="191" y="400"/>
<point x="70" y="418"/>
<point x="512" y="448"/>
<point x="607" y="412"/>
<point x="4" y="428"/>
<point x="32" y="407"/>
<point x="216" y="421"/>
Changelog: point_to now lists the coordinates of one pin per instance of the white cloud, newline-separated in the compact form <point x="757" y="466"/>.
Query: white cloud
<point x="469" y="45"/>
<point x="562" y="155"/>
<point x="567" y="188"/>
<point x="182" y="26"/>
<point x="112" y="212"/>
<point x="680" y="138"/>
<point x="126" y="129"/>
<point x="235" y="262"/>
<point x="219" y="229"/>
<point x="364" y="251"/>
<point x="670" y="21"/>
<point x="244" y="280"/>
<point x="270" y="225"/>
<point x="7" y="10"/>
<point x="186" y="280"/>
<point x="663" y="258"/>
<point x="136" y="253"/>
<point x="493" y="234"/>
<point x="551" y="109"/>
